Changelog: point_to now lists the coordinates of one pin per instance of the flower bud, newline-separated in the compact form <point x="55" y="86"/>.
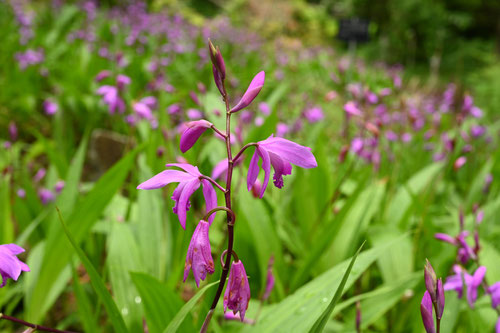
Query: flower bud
<point x="440" y="299"/>
<point x="237" y="292"/>
<point x="199" y="255"/>
<point x="430" y="280"/>
<point x="217" y="59"/>
<point x="426" y="311"/>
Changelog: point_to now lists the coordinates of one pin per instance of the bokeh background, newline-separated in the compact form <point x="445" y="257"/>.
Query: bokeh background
<point x="404" y="126"/>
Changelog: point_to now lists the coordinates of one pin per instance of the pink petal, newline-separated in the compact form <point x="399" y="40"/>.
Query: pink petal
<point x="187" y="191"/>
<point x="192" y="133"/>
<point x="210" y="198"/>
<point x="252" y="92"/>
<point x="164" y="178"/>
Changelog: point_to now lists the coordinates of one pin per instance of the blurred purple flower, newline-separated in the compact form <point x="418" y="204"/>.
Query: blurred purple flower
<point x="174" y="109"/>
<point x="199" y="254"/>
<point x="314" y="114"/>
<point x="39" y="175"/>
<point x="46" y="196"/>
<point x="494" y="291"/>
<point x="237" y="293"/>
<point x="21" y="193"/>
<point x="194" y="114"/>
<point x="352" y="109"/>
<point x="281" y="154"/>
<point x="102" y="75"/>
<point x="50" y="107"/>
<point x="269" y="279"/>
<point x="111" y="98"/>
<point x="10" y="266"/>
<point x="59" y="186"/>
<point x="189" y="181"/>
<point x="459" y="162"/>
<point x="264" y="108"/>
<point x="282" y="129"/>
<point x="472" y="282"/>
<point x="13" y="131"/>
<point x="122" y="81"/>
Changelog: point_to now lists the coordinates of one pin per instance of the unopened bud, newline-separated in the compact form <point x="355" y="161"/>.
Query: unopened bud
<point x="430" y="280"/>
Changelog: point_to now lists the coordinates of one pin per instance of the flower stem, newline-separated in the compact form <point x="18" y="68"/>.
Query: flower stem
<point x="34" y="326"/>
<point x="230" y="217"/>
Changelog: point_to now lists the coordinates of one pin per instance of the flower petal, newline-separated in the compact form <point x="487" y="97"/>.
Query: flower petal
<point x="164" y="178"/>
<point x="187" y="191"/>
<point x="266" y="165"/>
<point x="252" y="92"/>
<point x="253" y="170"/>
<point x="186" y="167"/>
<point x="192" y="133"/>
<point x="210" y="198"/>
<point x="290" y="151"/>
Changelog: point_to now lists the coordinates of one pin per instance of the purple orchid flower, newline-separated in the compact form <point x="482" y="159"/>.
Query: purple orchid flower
<point x="494" y="291"/>
<point x="122" y="81"/>
<point x="199" y="255"/>
<point x="237" y="317"/>
<point x="192" y="133"/>
<point x="465" y="252"/>
<point x="472" y="282"/>
<point x="111" y="98"/>
<point x="352" y="109"/>
<point x="189" y="181"/>
<point x="13" y="131"/>
<point x="102" y="75"/>
<point x="252" y="92"/>
<point x="281" y="154"/>
<point x="313" y="115"/>
<point x="10" y="266"/>
<point x="194" y="114"/>
<point x="426" y="311"/>
<point x="269" y="279"/>
<point x="50" y="107"/>
<point x="46" y="196"/>
<point x="237" y="293"/>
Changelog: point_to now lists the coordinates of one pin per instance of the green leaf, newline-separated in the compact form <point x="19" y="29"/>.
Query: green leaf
<point x="402" y="201"/>
<point x="298" y="312"/>
<point x="160" y="303"/>
<point x="98" y="285"/>
<point x="58" y="251"/>
<point x="123" y="258"/>
<point x="320" y="323"/>
<point x="179" y="317"/>
<point x="84" y="307"/>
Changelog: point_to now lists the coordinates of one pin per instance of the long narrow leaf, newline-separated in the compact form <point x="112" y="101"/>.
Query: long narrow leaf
<point x="97" y="283"/>
<point x="320" y="323"/>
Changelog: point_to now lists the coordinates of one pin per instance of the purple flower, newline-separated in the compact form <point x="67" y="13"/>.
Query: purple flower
<point x="472" y="282"/>
<point x="21" y="193"/>
<point x="269" y="280"/>
<point x="264" y="108"/>
<point x="189" y="181"/>
<point x="102" y="75"/>
<point x="232" y="316"/>
<point x="391" y="136"/>
<point x="281" y="154"/>
<point x="174" y="109"/>
<point x="426" y="311"/>
<point x="50" y="107"/>
<point x="476" y="131"/>
<point x="199" y="255"/>
<point x="192" y="133"/>
<point x="460" y="162"/>
<point x="352" y="109"/>
<point x="10" y="266"/>
<point x="494" y="291"/>
<point x="430" y="280"/>
<point x="282" y="129"/>
<point x="111" y="98"/>
<point x="13" y="131"/>
<point x="252" y="92"/>
<point x="46" y="196"/>
<point x="440" y="298"/>
<point x="313" y="115"/>
<point x="194" y="114"/>
<point x="59" y="186"/>
<point x="237" y="292"/>
<point x="122" y="81"/>
<point x="39" y="175"/>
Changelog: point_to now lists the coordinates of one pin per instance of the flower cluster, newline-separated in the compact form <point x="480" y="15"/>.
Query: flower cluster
<point x="463" y="282"/>
<point x="274" y="151"/>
